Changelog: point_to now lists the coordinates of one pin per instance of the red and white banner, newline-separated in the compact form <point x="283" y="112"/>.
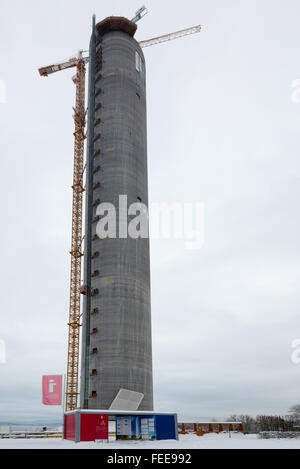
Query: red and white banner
<point x="52" y="390"/>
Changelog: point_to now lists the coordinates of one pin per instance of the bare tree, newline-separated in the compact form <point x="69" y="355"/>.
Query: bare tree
<point x="249" y="423"/>
<point x="295" y="411"/>
<point x="274" y="423"/>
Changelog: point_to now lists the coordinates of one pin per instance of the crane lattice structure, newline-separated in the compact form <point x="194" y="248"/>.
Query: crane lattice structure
<point x="78" y="190"/>
<point x="170" y="37"/>
<point x="76" y="238"/>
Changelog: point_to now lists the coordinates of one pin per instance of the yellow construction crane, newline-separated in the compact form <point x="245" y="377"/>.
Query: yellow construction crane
<point x="79" y="136"/>
<point x="76" y="240"/>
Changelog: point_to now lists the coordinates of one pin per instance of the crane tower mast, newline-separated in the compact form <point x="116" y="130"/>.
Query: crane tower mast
<point x="76" y="240"/>
<point x="76" y="237"/>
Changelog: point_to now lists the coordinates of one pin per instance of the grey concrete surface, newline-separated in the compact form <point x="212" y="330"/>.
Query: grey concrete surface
<point x="123" y="322"/>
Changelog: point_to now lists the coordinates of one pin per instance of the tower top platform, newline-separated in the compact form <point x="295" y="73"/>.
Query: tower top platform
<point x="116" y="23"/>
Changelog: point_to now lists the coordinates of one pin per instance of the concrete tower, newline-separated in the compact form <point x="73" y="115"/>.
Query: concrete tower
<point x="116" y="333"/>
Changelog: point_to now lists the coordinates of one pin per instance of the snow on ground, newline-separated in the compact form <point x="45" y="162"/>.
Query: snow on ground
<point x="209" y="441"/>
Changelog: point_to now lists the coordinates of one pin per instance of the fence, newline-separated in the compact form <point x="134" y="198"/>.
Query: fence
<point x="202" y="428"/>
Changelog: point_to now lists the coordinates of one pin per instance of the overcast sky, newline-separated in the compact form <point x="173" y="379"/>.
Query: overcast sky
<point x="223" y="130"/>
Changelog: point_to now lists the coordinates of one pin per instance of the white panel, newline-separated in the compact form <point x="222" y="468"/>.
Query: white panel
<point x="127" y="400"/>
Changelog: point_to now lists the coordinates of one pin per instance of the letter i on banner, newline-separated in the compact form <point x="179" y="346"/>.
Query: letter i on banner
<point x="52" y="390"/>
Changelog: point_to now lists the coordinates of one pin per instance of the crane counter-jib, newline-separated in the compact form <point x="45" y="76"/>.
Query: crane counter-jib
<point x="45" y="71"/>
